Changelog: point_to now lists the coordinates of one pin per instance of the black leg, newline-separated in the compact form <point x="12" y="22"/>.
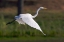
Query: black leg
<point x="10" y="22"/>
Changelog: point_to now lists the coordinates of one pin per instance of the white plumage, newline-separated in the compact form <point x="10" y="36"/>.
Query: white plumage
<point x="28" y="19"/>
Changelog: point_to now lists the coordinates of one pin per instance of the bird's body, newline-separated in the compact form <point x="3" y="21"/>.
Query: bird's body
<point x="28" y="19"/>
<point x="19" y="18"/>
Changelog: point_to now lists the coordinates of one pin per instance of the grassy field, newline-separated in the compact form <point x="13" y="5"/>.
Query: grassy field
<point x="32" y="39"/>
<point x="51" y="22"/>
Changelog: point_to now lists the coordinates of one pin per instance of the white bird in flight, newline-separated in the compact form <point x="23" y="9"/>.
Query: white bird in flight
<point x="28" y="19"/>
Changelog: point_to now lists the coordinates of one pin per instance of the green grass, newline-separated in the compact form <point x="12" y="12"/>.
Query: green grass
<point x="51" y="22"/>
<point x="31" y="38"/>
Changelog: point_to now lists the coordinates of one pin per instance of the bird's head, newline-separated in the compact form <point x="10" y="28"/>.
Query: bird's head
<point x="43" y="8"/>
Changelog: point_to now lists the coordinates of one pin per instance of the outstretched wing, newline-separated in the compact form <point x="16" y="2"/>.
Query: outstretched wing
<point x="20" y="21"/>
<point x="28" y="20"/>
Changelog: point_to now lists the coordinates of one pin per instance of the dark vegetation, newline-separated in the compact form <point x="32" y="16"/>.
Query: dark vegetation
<point x="50" y="4"/>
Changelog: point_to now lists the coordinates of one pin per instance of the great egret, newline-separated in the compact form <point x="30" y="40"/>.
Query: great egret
<point x="28" y="19"/>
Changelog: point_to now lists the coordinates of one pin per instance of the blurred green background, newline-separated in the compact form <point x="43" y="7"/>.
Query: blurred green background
<point x="51" y="21"/>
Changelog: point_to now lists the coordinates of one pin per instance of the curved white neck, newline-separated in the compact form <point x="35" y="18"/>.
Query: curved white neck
<point x="36" y="13"/>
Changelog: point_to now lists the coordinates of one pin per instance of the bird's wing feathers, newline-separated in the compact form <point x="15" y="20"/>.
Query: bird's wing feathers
<point x="31" y="22"/>
<point x="20" y="21"/>
<point x="27" y="18"/>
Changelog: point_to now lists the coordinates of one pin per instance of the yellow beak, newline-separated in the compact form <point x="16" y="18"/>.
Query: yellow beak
<point x="45" y="8"/>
